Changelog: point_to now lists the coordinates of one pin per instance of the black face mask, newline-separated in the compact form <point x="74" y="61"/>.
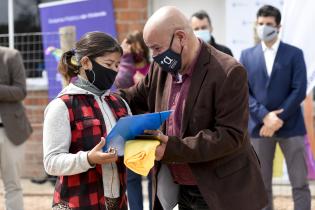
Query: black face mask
<point x="100" y="76"/>
<point x="169" y="60"/>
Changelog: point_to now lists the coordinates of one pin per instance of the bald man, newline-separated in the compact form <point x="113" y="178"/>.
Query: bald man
<point x="204" y="143"/>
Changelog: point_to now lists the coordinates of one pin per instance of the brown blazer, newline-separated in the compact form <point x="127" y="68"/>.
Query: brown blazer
<point x="214" y="139"/>
<point x="12" y="93"/>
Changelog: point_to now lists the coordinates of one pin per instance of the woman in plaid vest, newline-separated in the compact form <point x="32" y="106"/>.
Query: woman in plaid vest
<point x="76" y="125"/>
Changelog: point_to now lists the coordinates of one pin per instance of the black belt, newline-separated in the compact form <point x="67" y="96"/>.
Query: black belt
<point x="1" y="125"/>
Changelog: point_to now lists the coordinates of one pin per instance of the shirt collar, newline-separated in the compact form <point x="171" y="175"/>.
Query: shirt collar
<point x="179" y="78"/>
<point x="194" y="61"/>
<point x="274" y="47"/>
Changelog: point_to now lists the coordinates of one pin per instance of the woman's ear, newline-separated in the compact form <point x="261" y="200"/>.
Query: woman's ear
<point x="86" y="63"/>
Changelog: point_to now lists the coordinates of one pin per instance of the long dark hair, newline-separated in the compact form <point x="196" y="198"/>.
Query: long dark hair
<point x="92" y="45"/>
<point x="137" y="36"/>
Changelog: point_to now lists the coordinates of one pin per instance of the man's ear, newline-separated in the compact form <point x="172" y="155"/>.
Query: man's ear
<point x="182" y="35"/>
<point x="86" y="63"/>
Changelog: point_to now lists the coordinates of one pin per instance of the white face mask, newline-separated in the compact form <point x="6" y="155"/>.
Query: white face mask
<point x="205" y="35"/>
<point x="266" y="33"/>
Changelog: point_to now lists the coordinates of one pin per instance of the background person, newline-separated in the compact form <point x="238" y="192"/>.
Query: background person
<point x="135" y="62"/>
<point x="277" y="87"/>
<point x="133" y="67"/>
<point x="14" y="125"/>
<point x="203" y="29"/>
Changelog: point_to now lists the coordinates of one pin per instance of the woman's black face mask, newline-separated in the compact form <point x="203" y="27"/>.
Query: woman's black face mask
<point x="100" y="76"/>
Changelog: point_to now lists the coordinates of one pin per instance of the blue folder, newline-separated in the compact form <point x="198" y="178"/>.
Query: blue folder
<point x="127" y="128"/>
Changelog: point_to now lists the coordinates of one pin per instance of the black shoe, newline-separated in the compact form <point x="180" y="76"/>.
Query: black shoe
<point x="52" y="179"/>
<point x="48" y="178"/>
<point x="39" y="180"/>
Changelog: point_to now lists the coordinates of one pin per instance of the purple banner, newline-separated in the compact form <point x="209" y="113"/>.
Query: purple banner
<point x="85" y="15"/>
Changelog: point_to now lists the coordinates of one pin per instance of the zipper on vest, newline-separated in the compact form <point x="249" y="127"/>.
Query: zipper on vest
<point x="103" y="110"/>
<point x="112" y="181"/>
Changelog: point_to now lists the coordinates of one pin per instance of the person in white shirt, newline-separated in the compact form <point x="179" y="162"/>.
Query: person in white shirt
<point x="277" y="87"/>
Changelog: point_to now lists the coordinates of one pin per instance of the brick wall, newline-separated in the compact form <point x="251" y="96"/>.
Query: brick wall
<point x="130" y="15"/>
<point x="35" y="104"/>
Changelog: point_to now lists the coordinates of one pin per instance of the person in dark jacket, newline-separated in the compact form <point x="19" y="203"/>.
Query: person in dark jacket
<point x="277" y="87"/>
<point x="202" y="26"/>
<point x="204" y="143"/>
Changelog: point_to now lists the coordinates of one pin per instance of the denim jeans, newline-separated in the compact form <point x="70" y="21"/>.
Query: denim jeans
<point x="134" y="190"/>
<point x="190" y="198"/>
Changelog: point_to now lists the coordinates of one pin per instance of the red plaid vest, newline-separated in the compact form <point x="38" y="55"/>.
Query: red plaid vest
<point x="85" y="191"/>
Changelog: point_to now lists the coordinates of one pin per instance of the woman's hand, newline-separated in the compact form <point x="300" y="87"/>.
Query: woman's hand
<point x="97" y="156"/>
<point x="138" y="77"/>
<point x="126" y="46"/>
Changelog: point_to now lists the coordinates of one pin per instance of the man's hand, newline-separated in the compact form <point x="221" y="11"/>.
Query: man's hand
<point x="266" y="132"/>
<point x="272" y="121"/>
<point x="97" y="156"/>
<point x="160" y="150"/>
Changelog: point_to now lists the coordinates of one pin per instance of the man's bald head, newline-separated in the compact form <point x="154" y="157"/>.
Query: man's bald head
<point x="166" y="20"/>
<point x="166" y="24"/>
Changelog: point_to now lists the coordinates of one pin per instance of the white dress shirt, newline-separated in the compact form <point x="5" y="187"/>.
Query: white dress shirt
<point x="270" y="54"/>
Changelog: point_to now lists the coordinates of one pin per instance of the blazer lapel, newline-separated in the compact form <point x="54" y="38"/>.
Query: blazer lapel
<point x="197" y="80"/>
<point x="276" y="64"/>
<point x="166" y="92"/>
<point x="261" y="65"/>
<point x="165" y="97"/>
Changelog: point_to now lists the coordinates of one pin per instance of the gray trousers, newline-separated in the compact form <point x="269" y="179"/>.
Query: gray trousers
<point x="293" y="150"/>
<point x="10" y="161"/>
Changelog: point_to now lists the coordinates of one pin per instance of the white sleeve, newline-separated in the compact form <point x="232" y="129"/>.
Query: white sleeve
<point x="56" y="143"/>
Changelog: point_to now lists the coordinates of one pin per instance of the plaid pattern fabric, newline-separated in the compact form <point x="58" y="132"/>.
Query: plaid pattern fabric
<point x="85" y="191"/>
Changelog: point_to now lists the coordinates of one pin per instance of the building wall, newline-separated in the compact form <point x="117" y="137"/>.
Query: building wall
<point x="130" y="15"/>
<point x="215" y="9"/>
<point x="35" y="104"/>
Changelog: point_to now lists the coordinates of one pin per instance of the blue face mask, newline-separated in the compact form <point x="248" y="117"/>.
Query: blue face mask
<point x="169" y="60"/>
<point x="205" y="35"/>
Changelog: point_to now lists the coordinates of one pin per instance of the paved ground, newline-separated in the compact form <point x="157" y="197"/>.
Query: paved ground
<point x="39" y="197"/>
